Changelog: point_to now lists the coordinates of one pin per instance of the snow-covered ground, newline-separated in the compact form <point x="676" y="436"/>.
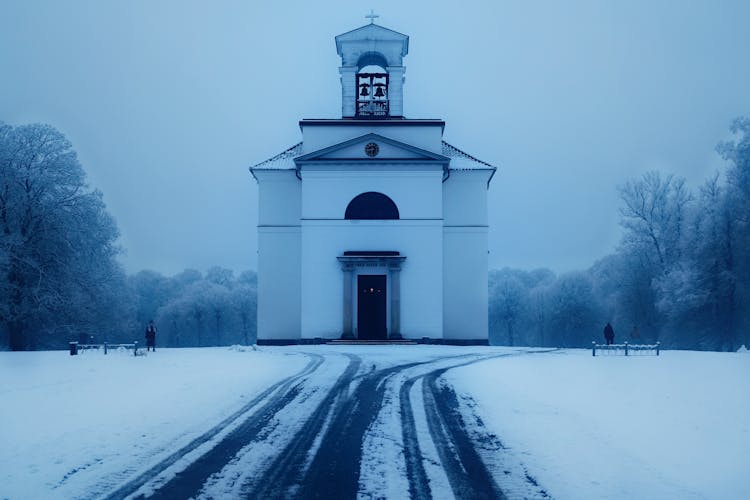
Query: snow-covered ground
<point x="673" y="426"/>
<point x="676" y="426"/>
<point x="67" y="422"/>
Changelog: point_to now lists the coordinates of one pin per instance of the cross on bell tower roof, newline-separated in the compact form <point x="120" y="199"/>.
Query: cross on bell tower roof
<point x="372" y="16"/>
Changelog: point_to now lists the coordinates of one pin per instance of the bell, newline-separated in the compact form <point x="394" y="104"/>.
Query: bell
<point x="379" y="91"/>
<point x="364" y="91"/>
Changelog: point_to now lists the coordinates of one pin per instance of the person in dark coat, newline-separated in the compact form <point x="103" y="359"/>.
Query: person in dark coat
<point x="151" y="336"/>
<point x="609" y="334"/>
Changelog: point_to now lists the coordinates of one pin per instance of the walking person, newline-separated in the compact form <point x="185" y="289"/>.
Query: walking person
<point x="151" y="336"/>
<point x="609" y="334"/>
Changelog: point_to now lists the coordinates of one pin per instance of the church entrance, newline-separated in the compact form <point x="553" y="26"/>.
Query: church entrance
<point x="372" y="294"/>
<point x="371" y="307"/>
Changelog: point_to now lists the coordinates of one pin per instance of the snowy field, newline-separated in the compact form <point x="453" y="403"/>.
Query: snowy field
<point x="69" y="422"/>
<point x="676" y="426"/>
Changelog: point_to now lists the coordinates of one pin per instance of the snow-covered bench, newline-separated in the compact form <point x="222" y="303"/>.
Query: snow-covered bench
<point x="75" y="347"/>
<point x="626" y="349"/>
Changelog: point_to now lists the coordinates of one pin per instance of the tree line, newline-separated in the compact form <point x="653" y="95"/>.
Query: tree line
<point x="681" y="274"/>
<point x="193" y="309"/>
<point x="60" y="278"/>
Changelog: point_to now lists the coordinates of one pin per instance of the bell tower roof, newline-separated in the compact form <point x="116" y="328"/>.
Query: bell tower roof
<point x="392" y="45"/>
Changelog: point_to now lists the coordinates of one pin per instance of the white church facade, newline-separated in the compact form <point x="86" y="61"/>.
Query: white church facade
<point x="372" y="227"/>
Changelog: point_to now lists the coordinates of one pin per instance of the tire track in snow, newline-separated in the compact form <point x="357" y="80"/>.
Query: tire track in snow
<point x="190" y="482"/>
<point x="281" y="479"/>
<point x="324" y="457"/>
<point x="467" y="473"/>
<point x="419" y="481"/>
<point x="335" y="468"/>
<point x="457" y="445"/>
<point x="461" y="469"/>
<point x="508" y="468"/>
<point x="275" y="392"/>
<point x="334" y="471"/>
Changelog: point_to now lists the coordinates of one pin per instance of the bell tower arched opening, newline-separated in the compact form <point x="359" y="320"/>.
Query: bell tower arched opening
<point x="372" y="87"/>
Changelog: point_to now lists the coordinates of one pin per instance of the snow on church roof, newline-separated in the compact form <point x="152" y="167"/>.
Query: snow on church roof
<point x="460" y="160"/>
<point x="282" y="161"/>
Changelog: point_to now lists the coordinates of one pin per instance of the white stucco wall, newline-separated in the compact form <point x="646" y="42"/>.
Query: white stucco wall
<point x="465" y="284"/>
<point x="465" y="255"/>
<point x="465" y="198"/>
<point x="279" y="295"/>
<point x="417" y="235"/>
<point x="418" y="195"/>
<point x="279" y="254"/>
<point x="421" y="274"/>
<point x="279" y="198"/>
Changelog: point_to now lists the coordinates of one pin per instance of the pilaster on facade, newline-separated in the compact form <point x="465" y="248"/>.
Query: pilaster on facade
<point x="348" y="90"/>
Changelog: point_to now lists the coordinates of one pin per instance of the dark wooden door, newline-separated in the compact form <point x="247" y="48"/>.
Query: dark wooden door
<point x="371" y="307"/>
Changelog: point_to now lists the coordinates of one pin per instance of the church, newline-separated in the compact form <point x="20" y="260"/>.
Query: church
<point x="372" y="227"/>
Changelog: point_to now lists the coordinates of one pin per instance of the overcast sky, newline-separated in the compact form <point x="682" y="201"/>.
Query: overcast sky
<point x="168" y="103"/>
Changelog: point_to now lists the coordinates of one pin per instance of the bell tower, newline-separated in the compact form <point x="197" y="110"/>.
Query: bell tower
<point x="372" y="72"/>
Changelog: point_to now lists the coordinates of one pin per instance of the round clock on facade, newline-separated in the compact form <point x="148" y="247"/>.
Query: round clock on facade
<point x="372" y="149"/>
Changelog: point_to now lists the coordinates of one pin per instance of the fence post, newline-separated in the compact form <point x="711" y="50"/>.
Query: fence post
<point x="105" y="348"/>
<point x="593" y="348"/>
<point x="626" y="348"/>
<point x="657" y="348"/>
<point x="73" y="348"/>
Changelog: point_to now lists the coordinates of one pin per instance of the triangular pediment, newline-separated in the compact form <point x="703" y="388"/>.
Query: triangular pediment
<point x="372" y="148"/>
<point x="373" y="32"/>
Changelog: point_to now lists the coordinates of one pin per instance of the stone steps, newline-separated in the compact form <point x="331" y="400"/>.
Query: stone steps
<point x="370" y="342"/>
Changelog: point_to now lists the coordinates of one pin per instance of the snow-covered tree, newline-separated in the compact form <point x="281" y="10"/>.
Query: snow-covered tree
<point x="220" y="276"/>
<point x="653" y="216"/>
<point x="508" y="301"/>
<point x="215" y="310"/>
<point x="737" y="153"/>
<point x="575" y="315"/>
<point x="152" y="290"/>
<point x="248" y="278"/>
<point x="58" y="272"/>
<point x="681" y="274"/>
<point x="181" y="281"/>
<point x="244" y="299"/>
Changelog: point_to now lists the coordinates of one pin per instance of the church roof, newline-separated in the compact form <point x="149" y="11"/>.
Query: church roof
<point x="460" y="160"/>
<point x="282" y="161"/>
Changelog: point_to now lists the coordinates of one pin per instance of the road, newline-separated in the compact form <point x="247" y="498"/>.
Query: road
<point x="348" y="425"/>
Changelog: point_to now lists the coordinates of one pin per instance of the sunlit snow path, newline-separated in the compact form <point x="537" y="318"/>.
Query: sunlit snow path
<point x="346" y="426"/>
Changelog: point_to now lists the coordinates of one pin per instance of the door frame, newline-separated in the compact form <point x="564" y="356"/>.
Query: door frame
<point x="354" y="263"/>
